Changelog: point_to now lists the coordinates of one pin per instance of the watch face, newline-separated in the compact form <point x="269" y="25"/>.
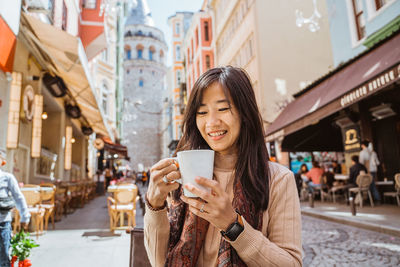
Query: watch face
<point x="28" y="98"/>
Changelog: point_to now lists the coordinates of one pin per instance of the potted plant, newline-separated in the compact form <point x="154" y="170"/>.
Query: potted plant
<point x="21" y="246"/>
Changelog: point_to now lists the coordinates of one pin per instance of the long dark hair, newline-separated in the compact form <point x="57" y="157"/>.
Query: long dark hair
<point x="252" y="165"/>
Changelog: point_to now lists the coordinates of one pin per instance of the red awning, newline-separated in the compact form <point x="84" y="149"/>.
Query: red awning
<point x="115" y="148"/>
<point x="8" y="44"/>
<point x="335" y="91"/>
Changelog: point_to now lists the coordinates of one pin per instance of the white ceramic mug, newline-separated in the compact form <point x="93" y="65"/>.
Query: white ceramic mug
<point x="193" y="163"/>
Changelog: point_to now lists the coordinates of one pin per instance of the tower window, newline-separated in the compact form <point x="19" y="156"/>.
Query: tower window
<point x="141" y="83"/>
<point x="128" y="54"/>
<point x="152" y="51"/>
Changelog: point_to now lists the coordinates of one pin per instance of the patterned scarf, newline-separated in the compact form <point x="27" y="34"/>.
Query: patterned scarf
<point x="187" y="233"/>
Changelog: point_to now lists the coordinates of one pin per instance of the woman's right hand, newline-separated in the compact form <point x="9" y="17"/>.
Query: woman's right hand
<point x="158" y="189"/>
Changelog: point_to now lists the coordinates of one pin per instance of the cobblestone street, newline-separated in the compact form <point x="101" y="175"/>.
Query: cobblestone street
<point x="331" y="244"/>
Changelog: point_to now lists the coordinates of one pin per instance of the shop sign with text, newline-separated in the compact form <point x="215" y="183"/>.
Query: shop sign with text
<point x="373" y="85"/>
<point x="351" y="138"/>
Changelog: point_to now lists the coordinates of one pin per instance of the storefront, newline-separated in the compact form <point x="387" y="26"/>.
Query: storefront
<point x="49" y="107"/>
<point x="9" y="28"/>
<point x="359" y="100"/>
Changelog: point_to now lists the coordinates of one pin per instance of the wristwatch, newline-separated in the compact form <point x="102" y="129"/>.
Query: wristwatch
<point x="234" y="230"/>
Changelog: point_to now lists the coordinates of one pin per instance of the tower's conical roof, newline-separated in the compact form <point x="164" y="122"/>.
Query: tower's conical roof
<point x="140" y="14"/>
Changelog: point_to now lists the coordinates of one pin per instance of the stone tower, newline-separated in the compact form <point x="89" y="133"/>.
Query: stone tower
<point x="144" y="87"/>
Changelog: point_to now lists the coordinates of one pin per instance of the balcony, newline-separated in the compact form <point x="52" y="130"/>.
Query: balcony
<point x="43" y="8"/>
<point x="39" y="5"/>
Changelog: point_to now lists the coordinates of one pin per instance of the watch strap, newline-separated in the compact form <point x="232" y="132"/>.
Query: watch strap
<point x="151" y="207"/>
<point x="234" y="230"/>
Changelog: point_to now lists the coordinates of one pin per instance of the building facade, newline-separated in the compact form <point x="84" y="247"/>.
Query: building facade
<point x="358" y="100"/>
<point x="52" y="103"/>
<point x="199" y="52"/>
<point x="179" y="23"/>
<point x="144" y="87"/>
<point x="356" y="25"/>
<point x="265" y="39"/>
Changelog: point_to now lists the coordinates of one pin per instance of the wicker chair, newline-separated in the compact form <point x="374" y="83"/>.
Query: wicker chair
<point x="48" y="203"/>
<point x="363" y="181"/>
<point x="124" y="202"/>
<point x="61" y="200"/>
<point x="17" y="217"/>
<point x="33" y="200"/>
<point x="74" y="196"/>
<point x="395" y="194"/>
<point x="112" y="212"/>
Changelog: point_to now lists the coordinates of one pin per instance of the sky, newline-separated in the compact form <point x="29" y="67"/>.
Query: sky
<point x="162" y="9"/>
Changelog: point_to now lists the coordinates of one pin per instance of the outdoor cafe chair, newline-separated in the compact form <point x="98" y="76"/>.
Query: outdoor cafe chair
<point x="322" y="188"/>
<point x="395" y="194"/>
<point x="48" y="203"/>
<point x="335" y="189"/>
<point x="112" y="213"/>
<point x="75" y="195"/>
<point x="33" y="200"/>
<point x="124" y="202"/>
<point x="17" y="224"/>
<point x="61" y="201"/>
<point x="363" y="182"/>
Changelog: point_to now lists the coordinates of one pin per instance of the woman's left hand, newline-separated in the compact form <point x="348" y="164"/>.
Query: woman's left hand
<point x="216" y="206"/>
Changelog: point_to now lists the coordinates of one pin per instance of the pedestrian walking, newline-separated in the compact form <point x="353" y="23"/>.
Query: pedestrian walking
<point x="373" y="170"/>
<point x="252" y="215"/>
<point x="109" y="175"/>
<point x="100" y="182"/>
<point x="10" y="196"/>
<point x="364" y="155"/>
<point x="369" y="159"/>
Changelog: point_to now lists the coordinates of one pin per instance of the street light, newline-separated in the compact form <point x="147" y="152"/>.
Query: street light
<point x="139" y="103"/>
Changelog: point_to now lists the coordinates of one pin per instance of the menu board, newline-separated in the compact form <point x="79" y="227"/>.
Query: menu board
<point x="46" y="164"/>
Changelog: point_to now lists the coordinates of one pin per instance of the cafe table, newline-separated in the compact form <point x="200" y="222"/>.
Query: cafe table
<point x="383" y="186"/>
<point x="342" y="177"/>
<point x="47" y="189"/>
<point x="384" y="183"/>
<point x="113" y="188"/>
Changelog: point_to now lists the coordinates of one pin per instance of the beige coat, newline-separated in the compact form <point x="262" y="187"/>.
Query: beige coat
<point x="278" y="244"/>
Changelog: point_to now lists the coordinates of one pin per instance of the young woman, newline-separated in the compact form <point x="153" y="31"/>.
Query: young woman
<point x="252" y="215"/>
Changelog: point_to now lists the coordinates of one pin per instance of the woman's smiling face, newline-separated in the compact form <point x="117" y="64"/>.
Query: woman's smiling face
<point x="218" y="120"/>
